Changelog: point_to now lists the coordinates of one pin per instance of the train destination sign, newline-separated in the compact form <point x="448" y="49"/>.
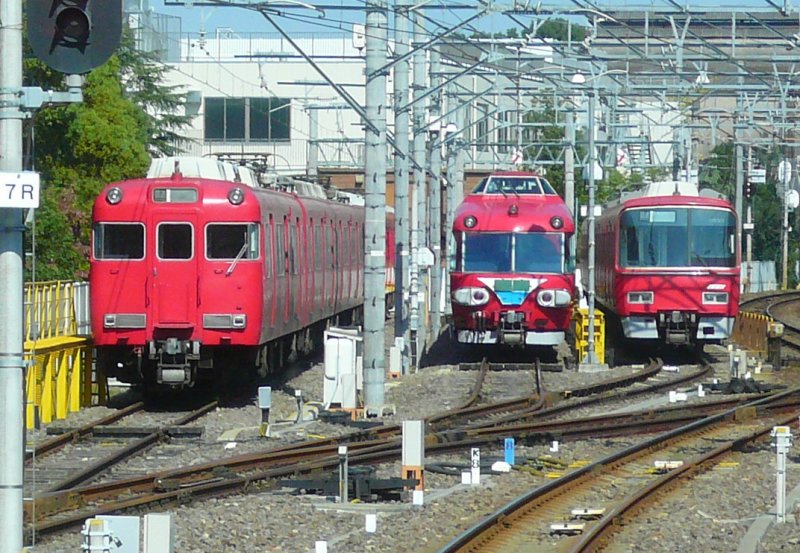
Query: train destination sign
<point x="19" y="190"/>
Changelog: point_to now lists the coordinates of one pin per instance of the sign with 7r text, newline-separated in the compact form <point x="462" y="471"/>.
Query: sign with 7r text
<point x="20" y="190"/>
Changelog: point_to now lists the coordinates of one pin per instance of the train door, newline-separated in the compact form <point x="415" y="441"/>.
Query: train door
<point x="281" y="281"/>
<point x="295" y="275"/>
<point x="174" y="273"/>
<point x="270" y="295"/>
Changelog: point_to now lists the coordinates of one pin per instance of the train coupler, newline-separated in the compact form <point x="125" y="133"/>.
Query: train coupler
<point x="510" y="330"/>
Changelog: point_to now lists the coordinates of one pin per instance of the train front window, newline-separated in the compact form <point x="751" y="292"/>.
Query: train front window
<point x="536" y="252"/>
<point x="118" y="241"/>
<point x="174" y="241"/>
<point x="232" y="240"/>
<point x="487" y="252"/>
<point x="526" y="252"/>
<point x="677" y="237"/>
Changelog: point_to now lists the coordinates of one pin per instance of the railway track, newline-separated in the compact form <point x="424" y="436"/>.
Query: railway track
<point x="596" y="498"/>
<point x="61" y="509"/>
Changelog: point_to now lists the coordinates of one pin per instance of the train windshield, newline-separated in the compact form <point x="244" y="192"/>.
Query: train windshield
<point x="677" y="237"/>
<point x="514" y="185"/>
<point x="505" y="252"/>
<point x="118" y="241"/>
<point x="232" y="241"/>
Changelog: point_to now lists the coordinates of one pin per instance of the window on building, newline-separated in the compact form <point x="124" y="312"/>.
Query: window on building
<point x="247" y="119"/>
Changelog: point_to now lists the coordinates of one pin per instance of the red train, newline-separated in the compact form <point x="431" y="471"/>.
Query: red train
<point x="191" y="276"/>
<point x="513" y="281"/>
<point x="667" y="264"/>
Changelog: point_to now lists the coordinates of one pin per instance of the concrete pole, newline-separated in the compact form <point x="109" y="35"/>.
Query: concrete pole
<point x="313" y="145"/>
<point x="375" y="225"/>
<point x="435" y="217"/>
<point x="416" y="321"/>
<point x="401" y="163"/>
<point x="12" y="395"/>
<point x="569" y="169"/>
<point x="749" y="234"/>
<point x="591" y="357"/>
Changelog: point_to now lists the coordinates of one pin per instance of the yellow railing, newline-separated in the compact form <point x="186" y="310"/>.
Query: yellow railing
<point x="581" y="318"/>
<point x="57" y="350"/>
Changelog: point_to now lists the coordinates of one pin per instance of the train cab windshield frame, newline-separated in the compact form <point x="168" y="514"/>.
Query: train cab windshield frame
<point x="513" y="252"/>
<point x="677" y="237"/>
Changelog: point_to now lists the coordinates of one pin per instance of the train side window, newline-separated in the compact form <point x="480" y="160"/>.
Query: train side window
<point x="232" y="241"/>
<point x="293" y="244"/>
<point x="118" y="241"/>
<point x="331" y="246"/>
<point x="280" y="250"/>
<point x="319" y="251"/>
<point x="174" y="241"/>
<point x="268" y="249"/>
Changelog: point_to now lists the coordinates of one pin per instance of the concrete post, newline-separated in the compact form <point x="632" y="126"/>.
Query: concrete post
<point x="416" y="322"/>
<point x="11" y="255"/>
<point x="401" y="163"/>
<point x="569" y="170"/>
<point x="435" y="218"/>
<point x="312" y="167"/>
<point x="375" y="225"/>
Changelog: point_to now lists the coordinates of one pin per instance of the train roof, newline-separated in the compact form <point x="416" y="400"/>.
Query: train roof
<point x="523" y="213"/>
<point x="670" y="193"/>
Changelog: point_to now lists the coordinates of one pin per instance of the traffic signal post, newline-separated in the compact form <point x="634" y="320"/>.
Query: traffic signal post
<point x="71" y="36"/>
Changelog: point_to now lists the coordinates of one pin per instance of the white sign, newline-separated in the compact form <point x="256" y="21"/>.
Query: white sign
<point x="758" y="176"/>
<point x="19" y="189"/>
<point x="517" y="157"/>
<point x="359" y="36"/>
<point x="475" y="465"/>
<point x="784" y="172"/>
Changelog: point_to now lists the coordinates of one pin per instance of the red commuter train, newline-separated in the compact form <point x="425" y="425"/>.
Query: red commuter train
<point x="667" y="265"/>
<point x="192" y="277"/>
<point x="513" y="281"/>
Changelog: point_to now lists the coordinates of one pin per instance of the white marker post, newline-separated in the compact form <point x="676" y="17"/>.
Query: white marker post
<point x="475" y="465"/>
<point x="782" y="443"/>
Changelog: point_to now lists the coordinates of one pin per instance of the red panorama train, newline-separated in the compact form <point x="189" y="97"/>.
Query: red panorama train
<point x="513" y="281"/>
<point x="191" y="276"/>
<point x="667" y="264"/>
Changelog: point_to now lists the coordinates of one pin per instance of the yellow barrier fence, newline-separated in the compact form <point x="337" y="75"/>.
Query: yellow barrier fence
<point x="752" y="331"/>
<point x="581" y="317"/>
<point x="58" y="351"/>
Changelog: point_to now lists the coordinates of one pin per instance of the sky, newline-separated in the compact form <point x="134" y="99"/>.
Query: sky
<point x="305" y="20"/>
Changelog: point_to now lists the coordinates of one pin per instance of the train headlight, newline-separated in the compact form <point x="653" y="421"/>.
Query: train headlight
<point x="471" y="297"/>
<point x="553" y="298"/>
<point x="236" y="196"/>
<point x="557" y="222"/>
<point x="470" y="221"/>
<point x="114" y="196"/>
<point x="641" y="297"/>
<point x="716" y="298"/>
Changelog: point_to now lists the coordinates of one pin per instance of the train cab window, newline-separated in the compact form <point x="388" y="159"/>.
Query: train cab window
<point x="118" y="241"/>
<point x="536" y="252"/>
<point x="487" y="252"/>
<point x="174" y="241"/>
<point x="232" y="241"/>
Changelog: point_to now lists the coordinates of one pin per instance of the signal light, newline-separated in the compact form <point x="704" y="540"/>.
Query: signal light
<point x="74" y="36"/>
<point x="749" y="189"/>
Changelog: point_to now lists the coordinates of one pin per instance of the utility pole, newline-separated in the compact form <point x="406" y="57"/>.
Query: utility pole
<point x="402" y="40"/>
<point x="416" y="321"/>
<point x="435" y="237"/>
<point x="375" y="225"/>
<point x="569" y="168"/>
<point x="313" y="144"/>
<point x="12" y="436"/>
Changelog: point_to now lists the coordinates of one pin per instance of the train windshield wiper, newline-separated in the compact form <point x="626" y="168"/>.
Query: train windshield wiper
<point x="239" y="255"/>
